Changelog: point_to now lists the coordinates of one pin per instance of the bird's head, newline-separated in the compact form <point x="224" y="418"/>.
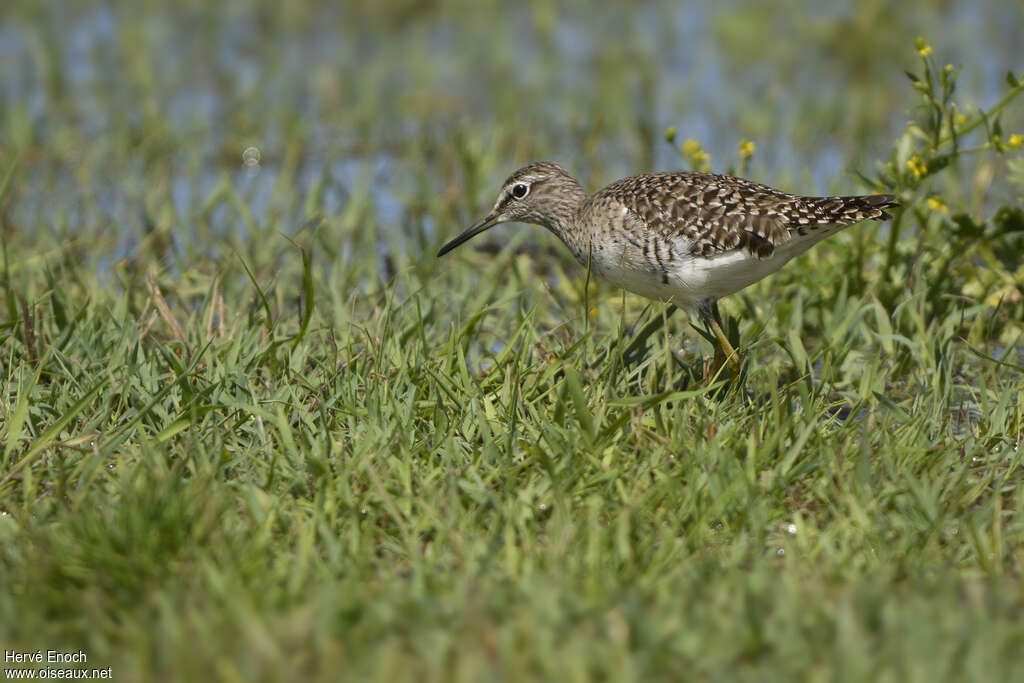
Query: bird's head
<point x="541" y="193"/>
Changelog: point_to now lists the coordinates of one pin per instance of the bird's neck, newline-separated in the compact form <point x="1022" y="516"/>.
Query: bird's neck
<point x="563" y="214"/>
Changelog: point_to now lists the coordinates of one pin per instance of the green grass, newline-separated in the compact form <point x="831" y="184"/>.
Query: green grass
<point x="271" y="437"/>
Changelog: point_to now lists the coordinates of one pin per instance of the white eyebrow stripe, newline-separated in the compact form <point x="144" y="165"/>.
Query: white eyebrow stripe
<point x="503" y="198"/>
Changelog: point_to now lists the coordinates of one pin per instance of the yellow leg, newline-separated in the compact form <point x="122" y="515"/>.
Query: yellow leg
<point x="724" y="351"/>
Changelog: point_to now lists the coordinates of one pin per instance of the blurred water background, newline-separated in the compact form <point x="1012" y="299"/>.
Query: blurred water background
<point x="132" y="117"/>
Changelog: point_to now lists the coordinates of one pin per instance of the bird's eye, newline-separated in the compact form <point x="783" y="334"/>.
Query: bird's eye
<point x="520" y="190"/>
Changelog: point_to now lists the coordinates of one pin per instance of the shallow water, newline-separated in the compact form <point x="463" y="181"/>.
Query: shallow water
<point x="355" y="94"/>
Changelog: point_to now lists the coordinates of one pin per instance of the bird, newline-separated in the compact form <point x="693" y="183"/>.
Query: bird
<point x="688" y="238"/>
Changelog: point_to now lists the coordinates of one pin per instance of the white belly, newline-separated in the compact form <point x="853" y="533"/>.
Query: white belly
<point x="689" y="279"/>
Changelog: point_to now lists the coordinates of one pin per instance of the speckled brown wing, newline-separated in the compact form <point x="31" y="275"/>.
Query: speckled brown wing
<point x="719" y="213"/>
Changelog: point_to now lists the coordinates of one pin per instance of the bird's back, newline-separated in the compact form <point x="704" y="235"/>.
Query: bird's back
<point x="687" y="237"/>
<point x="715" y="213"/>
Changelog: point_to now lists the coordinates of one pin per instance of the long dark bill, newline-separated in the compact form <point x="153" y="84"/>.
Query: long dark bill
<point x="489" y="222"/>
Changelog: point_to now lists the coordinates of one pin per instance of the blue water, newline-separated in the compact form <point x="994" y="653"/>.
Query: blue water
<point x="675" y="67"/>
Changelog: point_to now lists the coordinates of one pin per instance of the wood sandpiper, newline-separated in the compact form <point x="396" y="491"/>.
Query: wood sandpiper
<point x="685" y="238"/>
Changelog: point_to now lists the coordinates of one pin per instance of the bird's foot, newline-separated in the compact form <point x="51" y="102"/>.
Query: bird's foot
<point x="713" y="367"/>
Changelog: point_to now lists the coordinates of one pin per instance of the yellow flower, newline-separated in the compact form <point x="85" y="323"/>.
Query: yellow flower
<point x="1016" y="141"/>
<point x="747" y="148"/>
<point x="923" y="48"/>
<point x="917" y="166"/>
<point x="696" y="155"/>
<point x="960" y="120"/>
<point x="936" y="204"/>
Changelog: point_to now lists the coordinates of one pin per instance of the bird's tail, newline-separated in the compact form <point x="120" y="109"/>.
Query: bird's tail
<point x="845" y="210"/>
